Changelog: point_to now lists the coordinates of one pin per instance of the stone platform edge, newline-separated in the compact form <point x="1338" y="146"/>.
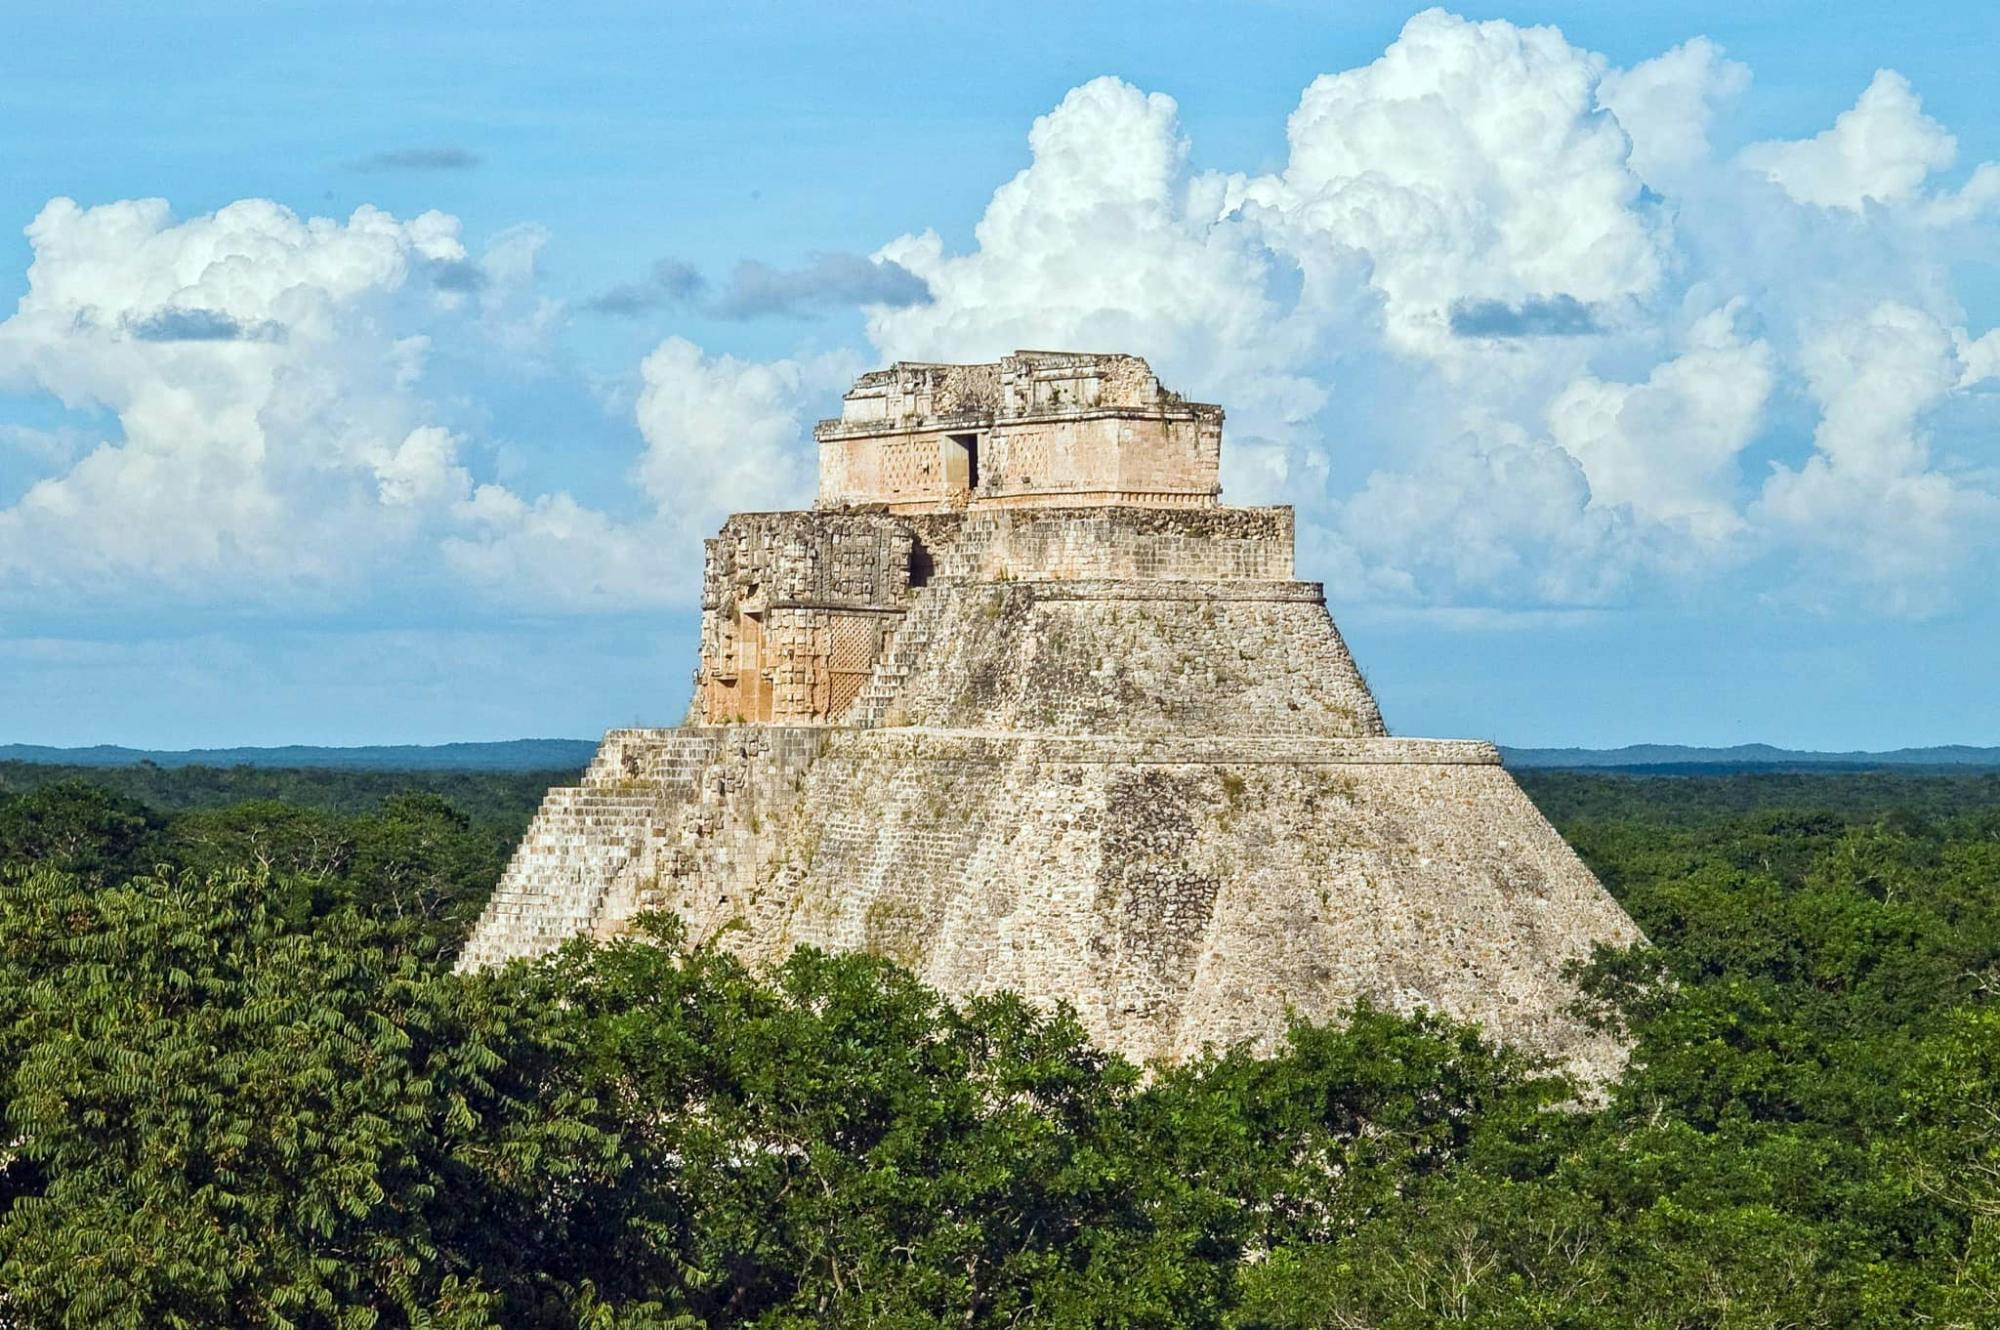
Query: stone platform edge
<point x="925" y="743"/>
<point x="1132" y="589"/>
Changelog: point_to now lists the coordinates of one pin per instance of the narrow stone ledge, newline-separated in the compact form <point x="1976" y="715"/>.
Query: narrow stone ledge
<point x="1304" y="593"/>
<point x="943" y="745"/>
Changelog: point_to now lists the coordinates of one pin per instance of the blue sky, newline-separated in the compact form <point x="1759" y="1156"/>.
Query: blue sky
<point x="1633" y="382"/>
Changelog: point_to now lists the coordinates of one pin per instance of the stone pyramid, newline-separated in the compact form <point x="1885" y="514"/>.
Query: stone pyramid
<point x="1020" y="705"/>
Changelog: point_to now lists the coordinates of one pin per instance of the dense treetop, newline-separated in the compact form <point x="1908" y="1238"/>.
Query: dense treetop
<point x="241" y="1088"/>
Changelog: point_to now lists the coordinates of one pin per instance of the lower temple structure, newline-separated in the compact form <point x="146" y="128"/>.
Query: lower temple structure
<point x="1021" y="706"/>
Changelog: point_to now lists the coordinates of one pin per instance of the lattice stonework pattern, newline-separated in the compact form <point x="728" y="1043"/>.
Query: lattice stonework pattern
<point x="795" y="665"/>
<point x="909" y="465"/>
<point x="853" y="640"/>
<point x="778" y="595"/>
<point x="1029" y="458"/>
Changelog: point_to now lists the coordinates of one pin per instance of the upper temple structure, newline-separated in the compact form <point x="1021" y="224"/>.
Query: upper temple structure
<point x="1041" y="429"/>
<point x="1020" y="705"/>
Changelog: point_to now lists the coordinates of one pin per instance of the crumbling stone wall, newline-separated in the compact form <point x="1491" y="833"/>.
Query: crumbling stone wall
<point x="800" y="611"/>
<point x="796" y="608"/>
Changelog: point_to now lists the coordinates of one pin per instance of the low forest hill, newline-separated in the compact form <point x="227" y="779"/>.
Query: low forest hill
<point x="505" y="797"/>
<point x="1684" y="759"/>
<point x="505" y="755"/>
<point x="241" y="1086"/>
<point x="564" y="754"/>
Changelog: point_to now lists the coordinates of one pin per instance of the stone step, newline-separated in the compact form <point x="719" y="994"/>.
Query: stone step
<point x="582" y="838"/>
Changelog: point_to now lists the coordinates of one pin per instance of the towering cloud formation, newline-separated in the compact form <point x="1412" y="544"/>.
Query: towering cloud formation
<point x="1881" y="151"/>
<point x="1503" y="326"/>
<point x="1516" y="287"/>
<point x="263" y="423"/>
<point x="1467" y="167"/>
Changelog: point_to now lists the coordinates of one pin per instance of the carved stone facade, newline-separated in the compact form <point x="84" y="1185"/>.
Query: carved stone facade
<point x="1110" y="753"/>
<point x="796" y="607"/>
<point x="1038" y="429"/>
<point x="799" y="609"/>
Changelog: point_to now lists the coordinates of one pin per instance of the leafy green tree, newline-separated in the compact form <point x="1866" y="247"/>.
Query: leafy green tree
<point x="1952" y="1152"/>
<point x="419" y="859"/>
<point x="265" y="837"/>
<point x="78" y="827"/>
<point x="247" y="1091"/>
<point x="239" y="1121"/>
<point x="846" y="1148"/>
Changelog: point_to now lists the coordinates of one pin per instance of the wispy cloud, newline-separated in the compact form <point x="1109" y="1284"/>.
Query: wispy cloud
<point x="758" y="290"/>
<point x="201" y="325"/>
<point x="670" y="283"/>
<point x="829" y="281"/>
<point x="1537" y="316"/>
<point x="439" y="158"/>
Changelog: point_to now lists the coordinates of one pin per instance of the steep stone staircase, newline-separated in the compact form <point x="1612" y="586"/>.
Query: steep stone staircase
<point x="906" y="646"/>
<point x="582" y="838"/>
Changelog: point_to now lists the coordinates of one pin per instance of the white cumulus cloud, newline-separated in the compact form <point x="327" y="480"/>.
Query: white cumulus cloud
<point x="1502" y="326"/>
<point x="1666" y="105"/>
<point x="1093" y="245"/>
<point x="1667" y="448"/>
<point x="1868" y="498"/>
<point x="1505" y="326"/>
<point x="1467" y="165"/>
<point x="1881" y="149"/>
<point x="724" y="434"/>
<point x="272" y="442"/>
<point x="250" y="383"/>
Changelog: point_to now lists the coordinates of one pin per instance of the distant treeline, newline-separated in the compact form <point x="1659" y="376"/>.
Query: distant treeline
<point x="1684" y="759"/>
<point x="505" y="755"/>
<point x="239" y="1086"/>
<point x="320" y="841"/>
<point x="499" y="796"/>
<point x="1566" y="797"/>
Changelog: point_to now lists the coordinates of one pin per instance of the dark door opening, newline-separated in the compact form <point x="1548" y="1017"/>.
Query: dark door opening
<point x="965" y="465"/>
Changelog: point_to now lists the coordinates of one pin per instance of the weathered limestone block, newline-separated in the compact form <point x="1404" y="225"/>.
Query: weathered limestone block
<point x="1185" y="894"/>
<point x="583" y="839"/>
<point x="1104" y="544"/>
<point x="796" y="607"/>
<point x="1134" y="657"/>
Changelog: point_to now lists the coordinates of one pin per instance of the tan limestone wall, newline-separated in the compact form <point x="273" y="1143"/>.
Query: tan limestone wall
<point x="1059" y="456"/>
<point x="798" y="609"/>
<point x="900" y="467"/>
<point x="1048" y="429"/>
<point x="1209" y="544"/>
<point x="1190" y="894"/>
<point x="1133" y="657"/>
<point x="1178" y="891"/>
<point x="583" y="838"/>
<point x="1113" y="757"/>
<point x="685" y="819"/>
<point x="704" y="860"/>
<point x="1052" y="460"/>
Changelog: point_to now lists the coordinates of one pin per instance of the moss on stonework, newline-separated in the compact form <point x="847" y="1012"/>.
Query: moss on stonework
<point x="895" y="929"/>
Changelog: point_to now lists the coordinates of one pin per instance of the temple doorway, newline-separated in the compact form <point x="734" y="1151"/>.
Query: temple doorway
<point x="961" y="463"/>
